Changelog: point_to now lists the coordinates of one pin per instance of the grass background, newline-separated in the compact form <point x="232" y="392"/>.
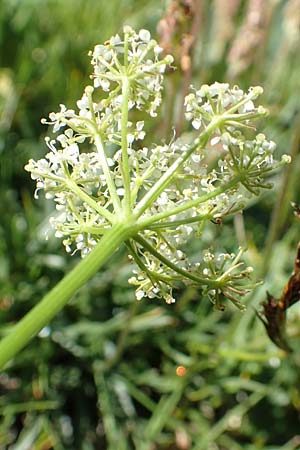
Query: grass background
<point x="103" y="374"/>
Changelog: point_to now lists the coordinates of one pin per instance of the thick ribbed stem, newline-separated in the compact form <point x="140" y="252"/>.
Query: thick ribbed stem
<point x="56" y="299"/>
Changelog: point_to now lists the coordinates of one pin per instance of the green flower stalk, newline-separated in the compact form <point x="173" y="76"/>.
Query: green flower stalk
<point x="109" y="189"/>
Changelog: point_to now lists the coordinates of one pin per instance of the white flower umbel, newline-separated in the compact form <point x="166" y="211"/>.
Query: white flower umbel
<point x="110" y="189"/>
<point x="100" y="174"/>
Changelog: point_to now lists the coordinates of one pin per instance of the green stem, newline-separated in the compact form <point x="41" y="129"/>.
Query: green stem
<point x="17" y="408"/>
<point x="200" y="281"/>
<point x="216" y="430"/>
<point x="113" y="430"/>
<point x="177" y="223"/>
<point x="242" y="102"/>
<point x="88" y="200"/>
<point x="124" y="144"/>
<point x="162" y="414"/>
<point x="122" y="338"/>
<point x="57" y="298"/>
<point x="107" y="173"/>
<point x="237" y="118"/>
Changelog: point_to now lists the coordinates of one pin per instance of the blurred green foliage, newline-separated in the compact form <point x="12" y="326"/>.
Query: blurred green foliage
<point x="110" y="373"/>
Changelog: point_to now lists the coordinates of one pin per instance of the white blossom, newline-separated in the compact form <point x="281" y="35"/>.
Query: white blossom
<point x="83" y="171"/>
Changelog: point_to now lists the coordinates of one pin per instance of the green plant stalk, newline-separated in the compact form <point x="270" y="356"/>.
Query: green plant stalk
<point x="113" y="431"/>
<point x="176" y="268"/>
<point x="89" y="201"/>
<point x="17" y="408"/>
<point x="57" y="298"/>
<point x="106" y="170"/>
<point x="162" y="414"/>
<point x="222" y="425"/>
<point x="124" y="144"/>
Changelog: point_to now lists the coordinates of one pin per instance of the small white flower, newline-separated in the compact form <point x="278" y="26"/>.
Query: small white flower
<point x="196" y="123"/>
<point x="248" y="106"/>
<point x="215" y="140"/>
<point x="158" y="50"/>
<point x="163" y="199"/>
<point x="144" y="35"/>
<point x="140" y="294"/>
<point x="121" y="192"/>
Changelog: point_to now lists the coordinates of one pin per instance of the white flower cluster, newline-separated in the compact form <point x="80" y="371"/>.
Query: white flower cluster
<point x="91" y="117"/>
<point x="96" y="172"/>
<point x="252" y="160"/>
<point x="162" y="268"/>
<point x="78" y="219"/>
<point x="197" y="194"/>
<point x="135" y="60"/>
<point x="191" y="182"/>
<point x="219" y="99"/>
<point x="138" y="57"/>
